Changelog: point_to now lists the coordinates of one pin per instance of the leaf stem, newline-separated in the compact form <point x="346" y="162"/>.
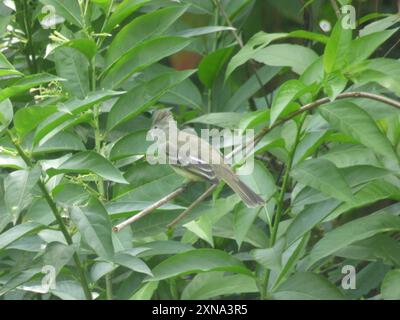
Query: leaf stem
<point x="57" y="215"/>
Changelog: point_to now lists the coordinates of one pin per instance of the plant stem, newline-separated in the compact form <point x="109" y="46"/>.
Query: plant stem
<point x="280" y="203"/>
<point x="57" y="215"/>
<point x="109" y="293"/>
<point x="26" y="27"/>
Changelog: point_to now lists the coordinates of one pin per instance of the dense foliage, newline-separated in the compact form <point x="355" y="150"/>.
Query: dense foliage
<point x="78" y="82"/>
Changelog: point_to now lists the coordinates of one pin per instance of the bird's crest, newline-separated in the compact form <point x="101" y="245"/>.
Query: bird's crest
<point x="162" y="115"/>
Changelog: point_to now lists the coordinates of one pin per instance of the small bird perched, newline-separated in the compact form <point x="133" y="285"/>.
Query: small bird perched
<point x="195" y="159"/>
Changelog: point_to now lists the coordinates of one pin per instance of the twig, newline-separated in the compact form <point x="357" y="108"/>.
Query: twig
<point x="313" y="105"/>
<point x="192" y="206"/>
<point x="151" y="208"/>
<point x="335" y="8"/>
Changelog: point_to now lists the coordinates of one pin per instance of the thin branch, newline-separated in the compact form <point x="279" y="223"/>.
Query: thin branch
<point x="192" y="206"/>
<point x="316" y="104"/>
<point x="59" y="219"/>
<point x="335" y="8"/>
<point x="151" y="208"/>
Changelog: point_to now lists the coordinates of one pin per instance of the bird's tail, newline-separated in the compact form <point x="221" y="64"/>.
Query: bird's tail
<point x="249" y="197"/>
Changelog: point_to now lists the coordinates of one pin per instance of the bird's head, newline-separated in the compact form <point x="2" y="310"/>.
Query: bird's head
<point x="162" y="119"/>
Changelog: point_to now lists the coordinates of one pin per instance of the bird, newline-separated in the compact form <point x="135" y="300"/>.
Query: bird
<point x="195" y="159"/>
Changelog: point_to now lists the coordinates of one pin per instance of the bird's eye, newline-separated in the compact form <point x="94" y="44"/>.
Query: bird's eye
<point x="155" y="127"/>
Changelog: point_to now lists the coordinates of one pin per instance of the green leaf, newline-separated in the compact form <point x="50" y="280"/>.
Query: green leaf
<point x="74" y="67"/>
<point x="199" y="260"/>
<point x="243" y="219"/>
<point x="68" y="9"/>
<point x="27" y="119"/>
<point x="211" y="65"/>
<point x="270" y="258"/>
<point x="145" y="292"/>
<point x="250" y="87"/>
<point x="132" y="144"/>
<point x="142" y="28"/>
<point x="17" y="232"/>
<point x="94" y="225"/>
<point x="164" y="247"/>
<point x="337" y="48"/>
<point x="196" y="32"/>
<point x="380" y="25"/>
<point x="302" y="34"/>
<point x="6" y="114"/>
<point x="353" y="231"/>
<point x="361" y="48"/>
<point x="260" y="180"/>
<point x="390" y="288"/>
<point x="287" y="93"/>
<point x="324" y="176"/>
<point x="308" y="218"/>
<point x="297" y="57"/>
<point x="85" y="46"/>
<point x="9" y="161"/>
<point x="142" y="56"/>
<point x="57" y="255"/>
<point x="220" y="119"/>
<point x="143" y="96"/>
<point x="307" y="286"/>
<point x="132" y="263"/>
<point x="358" y="124"/>
<point x="257" y="42"/>
<point x="63" y="141"/>
<point x="89" y="162"/>
<point x="18" y="186"/>
<point x="209" y="285"/>
<point x="385" y="72"/>
<point x="27" y="83"/>
<point x="69" y="110"/>
<point x="124" y="9"/>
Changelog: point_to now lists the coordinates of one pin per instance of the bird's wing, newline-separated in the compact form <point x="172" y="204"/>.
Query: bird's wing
<point x="195" y="162"/>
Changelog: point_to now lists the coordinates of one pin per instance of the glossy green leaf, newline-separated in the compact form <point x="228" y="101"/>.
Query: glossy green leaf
<point x="307" y="286"/>
<point x="143" y="96"/>
<point x="70" y="110"/>
<point x="215" y="284"/>
<point x="297" y="57"/>
<point x="259" y="41"/>
<point x="123" y="10"/>
<point x="17" y="232"/>
<point x="212" y="64"/>
<point x="357" y="123"/>
<point x="337" y="49"/>
<point x="6" y="114"/>
<point x="390" y="289"/>
<point x="27" y="83"/>
<point x="18" y="186"/>
<point x="353" y="231"/>
<point x="94" y="225"/>
<point x="142" y="28"/>
<point x="322" y="175"/>
<point x="89" y="162"/>
<point x="142" y="56"/>
<point x="195" y="261"/>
